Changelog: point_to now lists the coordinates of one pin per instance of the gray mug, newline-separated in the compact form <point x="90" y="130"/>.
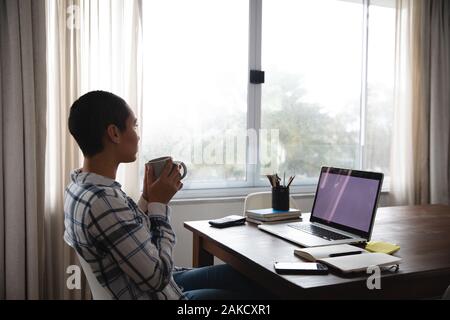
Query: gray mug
<point x="159" y="163"/>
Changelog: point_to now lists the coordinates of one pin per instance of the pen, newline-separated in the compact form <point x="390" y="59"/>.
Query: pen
<point x="344" y="254"/>
<point x="290" y="180"/>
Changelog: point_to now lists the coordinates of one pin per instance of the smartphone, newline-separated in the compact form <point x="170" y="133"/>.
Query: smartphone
<point x="300" y="268"/>
<point x="228" y="221"/>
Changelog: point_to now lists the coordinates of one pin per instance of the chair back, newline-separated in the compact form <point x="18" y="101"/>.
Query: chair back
<point x="446" y="295"/>
<point x="97" y="290"/>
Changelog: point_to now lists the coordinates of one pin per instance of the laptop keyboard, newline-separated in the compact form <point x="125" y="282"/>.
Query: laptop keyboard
<point x="319" y="232"/>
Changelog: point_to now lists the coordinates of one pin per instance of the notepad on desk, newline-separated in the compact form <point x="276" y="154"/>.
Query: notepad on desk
<point x="347" y="258"/>
<point x="381" y="246"/>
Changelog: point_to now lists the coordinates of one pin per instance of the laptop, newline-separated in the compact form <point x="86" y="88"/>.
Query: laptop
<point x="344" y="210"/>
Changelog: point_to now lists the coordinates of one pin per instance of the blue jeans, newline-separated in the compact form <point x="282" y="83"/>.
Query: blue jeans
<point x="219" y="282"/>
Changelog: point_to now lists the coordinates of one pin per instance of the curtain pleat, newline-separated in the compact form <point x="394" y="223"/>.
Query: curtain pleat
<point x="23" y="126"/>
<point x="439" y="11"/>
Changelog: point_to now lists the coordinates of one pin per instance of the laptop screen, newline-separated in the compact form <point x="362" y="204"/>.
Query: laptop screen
<point x="347" y="198"/>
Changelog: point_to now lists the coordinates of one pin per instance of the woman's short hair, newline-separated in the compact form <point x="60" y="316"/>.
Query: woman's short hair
<point x="90" y="116"/>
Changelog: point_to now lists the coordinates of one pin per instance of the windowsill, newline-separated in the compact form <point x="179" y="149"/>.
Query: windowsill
<point x="224" y="199"/>
<point x="200" y="196"/>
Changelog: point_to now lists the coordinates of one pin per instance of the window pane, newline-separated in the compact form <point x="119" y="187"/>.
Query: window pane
<point x="311" y="52"/>
<point x="195" y="87"/>
<point x="380" y="85"/>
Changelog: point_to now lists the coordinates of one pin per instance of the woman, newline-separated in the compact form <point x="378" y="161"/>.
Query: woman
<point x="129" y="246"/>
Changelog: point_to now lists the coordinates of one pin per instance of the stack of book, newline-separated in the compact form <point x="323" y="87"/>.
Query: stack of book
<point x="270" y="215"/>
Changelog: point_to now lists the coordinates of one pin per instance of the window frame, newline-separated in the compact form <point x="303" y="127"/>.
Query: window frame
<point x="254" y="94"/>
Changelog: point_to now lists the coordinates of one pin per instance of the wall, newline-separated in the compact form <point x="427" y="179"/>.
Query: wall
<point x="209" y="209"/>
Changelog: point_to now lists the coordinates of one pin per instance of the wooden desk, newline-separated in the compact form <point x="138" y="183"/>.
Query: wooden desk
<point x="423" y="233"/>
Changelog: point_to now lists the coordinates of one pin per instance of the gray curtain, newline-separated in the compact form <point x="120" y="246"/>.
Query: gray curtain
<point x="432" y="121"/>
<point x="438" y="31"/>
<point x="22" y="147"/>
<point x="420" y="161"/>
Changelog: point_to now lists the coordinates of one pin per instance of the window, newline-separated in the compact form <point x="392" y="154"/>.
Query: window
<point x="195" y="87"/>
<point x="313" y="88"/>
<point x="327" y="97"/>
<point x="380" y="86"/>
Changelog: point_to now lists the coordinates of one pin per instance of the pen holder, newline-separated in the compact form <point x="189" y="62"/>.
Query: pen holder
<point x="280" y="198"/>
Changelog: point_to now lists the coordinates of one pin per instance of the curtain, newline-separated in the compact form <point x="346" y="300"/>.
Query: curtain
<point x="111" y="60"/>
<point x="22" y="147"/>
<point x="93" y="45"/>
<point x="439" y="32"/>
<point x="62" y="153"/>
<point x="420" y="146"/>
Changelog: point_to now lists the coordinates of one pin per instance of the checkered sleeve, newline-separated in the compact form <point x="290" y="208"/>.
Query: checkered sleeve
<point x="144" y="255"/>
<point x="143" y="204"/>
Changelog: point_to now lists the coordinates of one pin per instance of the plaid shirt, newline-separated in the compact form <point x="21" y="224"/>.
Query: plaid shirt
<point x="128" y="246"/>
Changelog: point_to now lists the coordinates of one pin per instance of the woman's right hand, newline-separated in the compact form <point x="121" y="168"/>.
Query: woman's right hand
<point x="165" y="187"/>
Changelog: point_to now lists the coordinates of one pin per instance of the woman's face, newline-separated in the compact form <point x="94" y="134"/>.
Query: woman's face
<point x="129" y="140"/>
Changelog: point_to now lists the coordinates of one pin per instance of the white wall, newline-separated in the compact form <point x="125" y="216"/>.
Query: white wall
<point x="208" y="209"/>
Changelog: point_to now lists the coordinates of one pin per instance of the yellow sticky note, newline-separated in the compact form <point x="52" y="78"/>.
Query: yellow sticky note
<point x="381" y="246"/>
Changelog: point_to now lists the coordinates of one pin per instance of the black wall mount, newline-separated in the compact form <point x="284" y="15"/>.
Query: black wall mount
<point x="256" y="76"/>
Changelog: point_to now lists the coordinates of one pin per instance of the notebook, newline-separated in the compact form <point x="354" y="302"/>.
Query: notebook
<point x="316" y="253"/>
<point x="347" y="258"/>
<point x="264" y="221"/>
<point x="271" y="214"/>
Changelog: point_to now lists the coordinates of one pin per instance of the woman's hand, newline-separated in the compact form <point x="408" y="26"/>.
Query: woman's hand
<point x="165" y="187"/>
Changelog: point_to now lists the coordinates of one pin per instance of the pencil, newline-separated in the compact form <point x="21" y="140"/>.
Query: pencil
<point x="270" y="179"/>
